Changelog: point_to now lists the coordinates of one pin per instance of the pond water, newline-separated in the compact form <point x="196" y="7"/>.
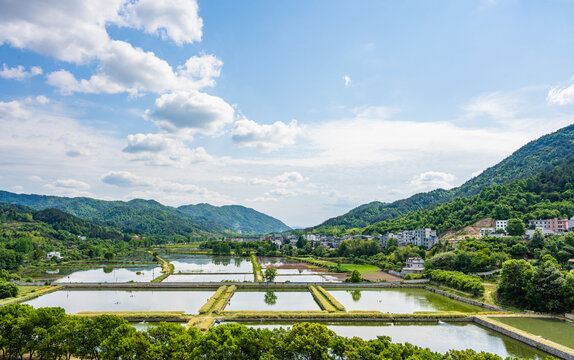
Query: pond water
<point x="140" y="273"/>
<point x="280" y="263"/>
<point x="398" y="301"/>
<point x="209" y="264"/>
<point x="560" y="332"/>
<point x="74" y="301"/>
<point x="283" y="300"/>
<point x="439" y="337"/>
<point x="281" y="271"/>
<point x="209" y="278"/>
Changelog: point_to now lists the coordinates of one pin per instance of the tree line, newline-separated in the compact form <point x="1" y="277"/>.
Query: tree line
<point x="48" y="333"/>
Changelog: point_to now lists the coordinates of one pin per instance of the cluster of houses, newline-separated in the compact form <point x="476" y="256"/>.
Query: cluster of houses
<point x="548" y="227"/>
<point x="423" y="237"/>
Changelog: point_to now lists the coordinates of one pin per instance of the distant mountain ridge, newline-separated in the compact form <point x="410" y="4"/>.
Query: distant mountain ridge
<point x="236" y="217"/>
<point x="538" y="155"/>
<point x="153" y="218"/>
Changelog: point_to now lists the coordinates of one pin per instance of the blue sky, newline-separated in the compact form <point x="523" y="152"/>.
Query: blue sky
<point x="300" y="109"/>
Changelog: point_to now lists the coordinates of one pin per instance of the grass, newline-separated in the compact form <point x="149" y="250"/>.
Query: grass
<point x="323" y="302"/>
<point x="203" y="323"/>
<point x="31" y="293"/>
<point x="224" y="299"/>
<point x="139" y="315"/>
<point x="325" y="315"/>
<point x="256" y="269"/>
<point x="166" y="269"/>
<point x="208" y="306"/>
<point x="337" y="305"/>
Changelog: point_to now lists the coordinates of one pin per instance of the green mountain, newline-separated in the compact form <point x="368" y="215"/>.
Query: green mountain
<point x="538" y="155"/>
<point x="149" y="217"/>
<point x="237" y="218"/>
<point x="547" y="195"/>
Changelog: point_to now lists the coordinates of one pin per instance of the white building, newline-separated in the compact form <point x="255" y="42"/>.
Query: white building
<point x="414" y="266"/>
<point x="501" y="224"/>
<point x="52" y="254"/>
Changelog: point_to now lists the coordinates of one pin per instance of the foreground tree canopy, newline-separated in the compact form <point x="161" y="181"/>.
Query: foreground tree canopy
<point x="48" y="333"/>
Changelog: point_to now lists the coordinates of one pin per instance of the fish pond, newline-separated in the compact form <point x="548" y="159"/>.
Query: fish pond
<point x="272" y="300"/>
<point x="398" y="301"/>
<point x="560" y="332"/>
<point x="74" y="301"/>
<point x="139" y="273"/>
<point x="210" y="277"/>
<point x="189" y="263"/>
<point x="439" y="337"/>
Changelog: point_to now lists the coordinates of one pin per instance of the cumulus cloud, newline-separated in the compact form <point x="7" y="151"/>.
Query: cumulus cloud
<point x="177" y="20"/>
<point x="124" y="179"/>
<point x="75" y="31"/>
<point x="201" y="70"/>
<point x="561" y="95"/>
<point x="68" y="187"/>
<point x="433" y="180"/>
<point x="287" y="179"/>
<point x="266" y="138"/>
<point x="159" y="149"/>
<point x="19" y="72"/>
<point x="158" y="188"/>
<point x="192" y="112"/>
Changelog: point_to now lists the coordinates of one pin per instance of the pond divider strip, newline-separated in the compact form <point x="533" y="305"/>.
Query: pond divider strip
<point x="223" y="300"/>
<point x="209" y="305"/>
<point x="321" y="300"/>
<point x="166" y="268"/>
<point x="338" y="306"/>
<point x="257" y="274"/>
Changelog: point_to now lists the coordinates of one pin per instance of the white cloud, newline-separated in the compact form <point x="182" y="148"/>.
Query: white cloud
<point x="160" y="189"/>
<point x="177" y="20"/>
<point x="496" y="105"/>
<point x="71" y="184"/>
<point x="431" y="180"/>
<point x="347" y="80"/>
<point x="75" y="31"/>
<point x="266" y="138"/>
<point x="159" y="149"/>
<point x="35" y="178"/>
<point x="192" y="112"/>
<point x="261" y="199"/>
<point x="19" y="72"/>
<point x="561" y="95"/>
<point x="233" y="180"/>
<point x="124" y="179"/>
<point x="287" y="179"/>
<point x="68" y="30"/>
<point x="201" y="70"/>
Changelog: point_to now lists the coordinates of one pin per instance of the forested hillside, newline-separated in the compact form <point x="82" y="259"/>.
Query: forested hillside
<point x="28" y="235"/>
<point x="546" y="195"/>
<point x="534" y="157"/>
<point x="236" y="217"/>
<point x="152" y="218"/>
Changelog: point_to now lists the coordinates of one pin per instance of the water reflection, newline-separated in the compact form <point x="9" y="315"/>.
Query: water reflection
<point x="355" y="294"/>
<point x="270" y="298"/>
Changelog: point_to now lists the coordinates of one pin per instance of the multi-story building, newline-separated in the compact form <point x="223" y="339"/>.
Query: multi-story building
<point x="501" y="224"/>
<point x="556" y="225"/>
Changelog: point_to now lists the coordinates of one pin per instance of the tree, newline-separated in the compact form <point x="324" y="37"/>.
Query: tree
<point x="355" y="276"/>
<point x="514" y="279"/>
<point x="537" y="241"/>
<point x="109" y="255"/>
<point x="545" y="291"/>
<point x="515" y="227"/>
<point x="301" y="242"/>
<point x="270" y="274"/>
